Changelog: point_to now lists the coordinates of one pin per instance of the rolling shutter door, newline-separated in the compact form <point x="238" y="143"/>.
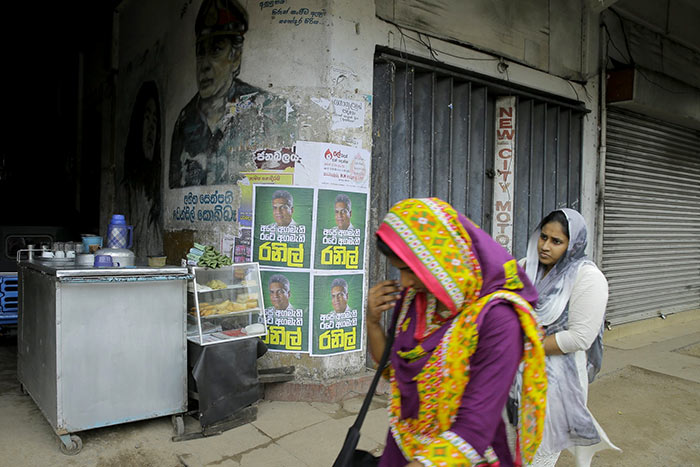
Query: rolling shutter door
<point x="433" y="136"/>
<point x="651" y="234"/>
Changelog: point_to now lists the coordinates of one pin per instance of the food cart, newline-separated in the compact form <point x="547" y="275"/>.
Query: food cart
<point x="101" y="346"/>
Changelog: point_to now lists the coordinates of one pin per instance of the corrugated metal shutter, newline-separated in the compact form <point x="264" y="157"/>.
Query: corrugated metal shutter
<point x="651" y="235"/>
<point x="433" y="132"/>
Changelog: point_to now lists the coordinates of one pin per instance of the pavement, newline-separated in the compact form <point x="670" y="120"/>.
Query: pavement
<point x="647" y="398"/>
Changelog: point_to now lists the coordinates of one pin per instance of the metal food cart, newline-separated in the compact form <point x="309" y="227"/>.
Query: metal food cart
<point x="101" y="346"/>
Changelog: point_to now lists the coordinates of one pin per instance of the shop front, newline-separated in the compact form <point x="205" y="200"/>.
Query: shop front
<point x="650" y="166"/>
<point x="651" y="236"/>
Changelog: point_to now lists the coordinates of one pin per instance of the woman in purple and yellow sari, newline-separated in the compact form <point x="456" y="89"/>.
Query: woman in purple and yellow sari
<point x="465" y="322"/>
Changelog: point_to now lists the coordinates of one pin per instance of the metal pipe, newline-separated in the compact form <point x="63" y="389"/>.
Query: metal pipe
<point x="600" y="191"/>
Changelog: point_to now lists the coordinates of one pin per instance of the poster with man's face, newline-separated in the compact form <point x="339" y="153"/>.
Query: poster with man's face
<point x="340" y="230"/>
<point x="286" y="298"/>
<point x="337" y="314"/>
<point x="283" y="226"/>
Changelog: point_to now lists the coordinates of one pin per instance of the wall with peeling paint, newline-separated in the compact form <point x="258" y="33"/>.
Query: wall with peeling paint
<point x="536" y="33"/>
<point x="308" y="58"/>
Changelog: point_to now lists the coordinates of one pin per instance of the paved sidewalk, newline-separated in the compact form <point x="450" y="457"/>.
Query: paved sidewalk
<point x="294" y="434"/>
<point x="647" y="398"/>
<point x="647" y="395"/>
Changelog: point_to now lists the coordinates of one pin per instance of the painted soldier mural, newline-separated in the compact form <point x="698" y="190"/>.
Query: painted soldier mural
<point x="218" y="131"/>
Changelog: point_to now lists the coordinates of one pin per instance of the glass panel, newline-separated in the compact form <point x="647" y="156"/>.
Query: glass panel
<point x="226" y="304"/>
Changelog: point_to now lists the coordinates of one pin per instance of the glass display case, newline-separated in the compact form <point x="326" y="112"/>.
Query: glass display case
<point x="225" y="304"/>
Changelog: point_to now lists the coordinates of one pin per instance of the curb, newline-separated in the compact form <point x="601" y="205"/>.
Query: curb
<point x="328" y="391"/>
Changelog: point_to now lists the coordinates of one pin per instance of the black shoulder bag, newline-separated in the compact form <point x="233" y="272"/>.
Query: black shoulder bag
<point x="349" y="455"/>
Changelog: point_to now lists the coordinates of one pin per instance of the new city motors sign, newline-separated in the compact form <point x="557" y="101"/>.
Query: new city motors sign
<point x="504" y="168"/>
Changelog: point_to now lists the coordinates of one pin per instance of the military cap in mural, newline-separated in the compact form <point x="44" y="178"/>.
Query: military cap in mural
<point x="219" y="18"/>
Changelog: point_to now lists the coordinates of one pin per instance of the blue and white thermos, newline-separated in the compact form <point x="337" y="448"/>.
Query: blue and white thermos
<point x="119" y="235"/>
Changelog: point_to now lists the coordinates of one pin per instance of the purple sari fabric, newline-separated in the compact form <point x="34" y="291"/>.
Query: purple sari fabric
<point x="492" y="366"/>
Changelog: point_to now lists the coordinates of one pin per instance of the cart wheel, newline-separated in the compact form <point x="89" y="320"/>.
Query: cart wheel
<point x="76" y="445"/>
<point x="178" y="425"/>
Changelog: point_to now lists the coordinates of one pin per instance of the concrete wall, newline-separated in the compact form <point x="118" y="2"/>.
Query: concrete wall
<point x="536" y="33"/>
<point x="659" y="35"/>
<point x="303" y="53"/>
<point x="656" y="39"/>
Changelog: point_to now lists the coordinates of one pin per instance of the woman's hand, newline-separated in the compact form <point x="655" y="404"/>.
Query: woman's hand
<point x="381" y="297"/>
<point x="414" y="464"/>
<point x="550" y="345"/>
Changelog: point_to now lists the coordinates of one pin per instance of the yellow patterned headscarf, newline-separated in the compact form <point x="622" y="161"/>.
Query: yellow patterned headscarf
<point x="435" y="242"/>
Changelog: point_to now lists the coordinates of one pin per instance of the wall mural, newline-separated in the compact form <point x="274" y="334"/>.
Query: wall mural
<point x="142" y="172"/>
<point x="235" y="147"/>
<point x="219" y="130"/>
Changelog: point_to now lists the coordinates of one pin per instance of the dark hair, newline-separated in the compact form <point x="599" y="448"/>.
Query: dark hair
<point x="138" y="170"/>
<point x="385" y="249"/>
<point x="557" y="216"/>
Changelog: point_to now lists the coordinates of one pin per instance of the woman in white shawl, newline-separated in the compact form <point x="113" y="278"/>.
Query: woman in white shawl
<point x="573" y="294"/>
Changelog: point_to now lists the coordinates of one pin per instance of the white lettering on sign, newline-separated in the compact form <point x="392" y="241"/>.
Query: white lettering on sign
<point x="504" y="168"/>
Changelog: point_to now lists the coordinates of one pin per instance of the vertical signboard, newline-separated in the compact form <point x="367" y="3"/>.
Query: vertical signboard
<point x="504" y="167"/>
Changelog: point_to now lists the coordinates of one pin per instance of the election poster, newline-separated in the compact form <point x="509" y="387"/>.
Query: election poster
<point x="340" y="230"/>
<point x="283" y="223"/>
<point x="337" y="313"/>
<point x="286" y="299"/>
<point x="328" y="165"/>
<point x="259" y="177"/>
<point x="306" y="211"/>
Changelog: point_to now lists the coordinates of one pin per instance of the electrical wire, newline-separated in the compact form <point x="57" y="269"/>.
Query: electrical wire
<point x="433" y="51"/>
<point x="434" y="54"/>
<point x="612" y="42"/>
<point x="574" y="89"/>
<point x="624" y="35"/>
<point x="428" y="46"/>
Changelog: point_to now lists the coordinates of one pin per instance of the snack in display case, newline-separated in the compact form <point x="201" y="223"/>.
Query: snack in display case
<point x="225" y="304"/>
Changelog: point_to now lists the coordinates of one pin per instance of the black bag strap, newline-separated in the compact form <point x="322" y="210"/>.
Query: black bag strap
<point x="346" y="457"/>
<point x="378" y="374"/>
